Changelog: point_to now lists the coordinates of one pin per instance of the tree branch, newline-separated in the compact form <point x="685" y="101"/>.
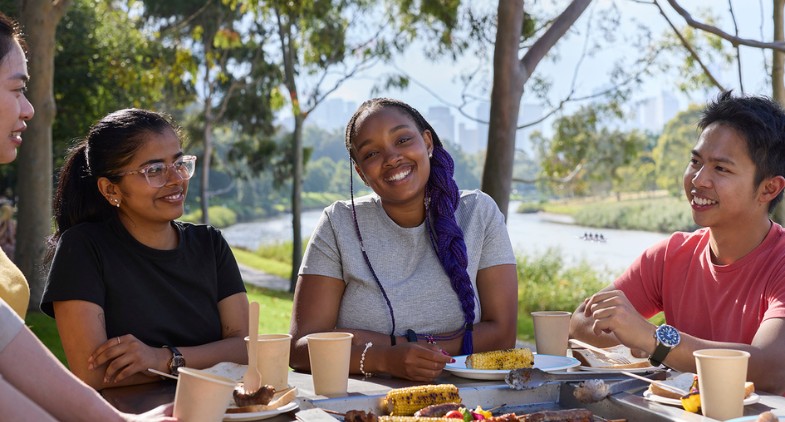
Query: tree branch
<point x="563" y="180"/>
<point x="780" y="46"/>
<point x="738" y="49"/>
<point x="560" y="26"/>
<point x="689" y="48"/>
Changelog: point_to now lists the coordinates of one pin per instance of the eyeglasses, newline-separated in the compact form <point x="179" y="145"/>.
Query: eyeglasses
<point x="157" y="174"/>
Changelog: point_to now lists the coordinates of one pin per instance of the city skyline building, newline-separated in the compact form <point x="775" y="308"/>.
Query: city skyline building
<point x="652" y="113"/>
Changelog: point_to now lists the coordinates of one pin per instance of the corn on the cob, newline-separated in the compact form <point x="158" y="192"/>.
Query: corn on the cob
<point x="501" y="359"/>
<point x="507" y="417"/>
<point x="406" y="401"/>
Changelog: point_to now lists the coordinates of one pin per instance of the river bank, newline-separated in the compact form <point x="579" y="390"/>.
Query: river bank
<point x="530" y="234"/>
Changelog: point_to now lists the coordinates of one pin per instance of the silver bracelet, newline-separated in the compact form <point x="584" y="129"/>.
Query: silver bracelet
<point x="362" y="361"/>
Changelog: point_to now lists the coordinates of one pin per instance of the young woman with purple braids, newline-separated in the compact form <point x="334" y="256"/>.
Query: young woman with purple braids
<point x="417" y="271"/>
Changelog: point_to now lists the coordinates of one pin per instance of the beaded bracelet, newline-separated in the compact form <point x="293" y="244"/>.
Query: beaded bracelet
<point x="362" y="360"/>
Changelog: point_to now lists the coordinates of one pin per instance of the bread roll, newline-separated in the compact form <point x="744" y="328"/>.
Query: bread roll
<point x="684" y="382"/>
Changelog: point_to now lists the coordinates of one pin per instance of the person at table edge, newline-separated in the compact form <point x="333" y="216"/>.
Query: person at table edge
<point x="722" y="286"/>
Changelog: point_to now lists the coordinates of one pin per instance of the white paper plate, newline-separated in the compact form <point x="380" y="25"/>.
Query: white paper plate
<point x="752" y="418"/>
<point x="544" y="362"/>
<point x="648" y="395"/>
<point x="610" y="369"/>
<point x="229" y="370"/>
<point x="255" y="416"/>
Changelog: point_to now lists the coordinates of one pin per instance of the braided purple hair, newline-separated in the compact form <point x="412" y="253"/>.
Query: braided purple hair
<point x="442" y="197"/>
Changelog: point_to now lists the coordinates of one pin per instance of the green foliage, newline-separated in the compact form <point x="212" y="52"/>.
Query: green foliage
<point x="529" y="207"/>
<point x="672" y="152"/>
<point x="664" y="215"/>
<point x="583" y="153"/>
<point x="220" y="216"/>
<point x="547" y="282"/>
<point x="711" y="49"/>
<point x="105" y="62"/>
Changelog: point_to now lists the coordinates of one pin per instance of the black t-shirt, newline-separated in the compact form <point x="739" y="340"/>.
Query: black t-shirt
<point x="162" y="297"/>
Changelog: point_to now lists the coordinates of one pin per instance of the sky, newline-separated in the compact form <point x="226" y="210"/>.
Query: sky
<point x="444" y="86"/>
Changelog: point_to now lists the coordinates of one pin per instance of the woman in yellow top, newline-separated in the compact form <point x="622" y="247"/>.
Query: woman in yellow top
<point x="15" y="111"/>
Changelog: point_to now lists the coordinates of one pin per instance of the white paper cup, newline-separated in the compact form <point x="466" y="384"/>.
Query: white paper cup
<point x="330" y="354"/>
<point x="272" y="359"/>
<point x="721" y="377"/>
<point x="551" y="331"/>
<point x="201" y="396"/>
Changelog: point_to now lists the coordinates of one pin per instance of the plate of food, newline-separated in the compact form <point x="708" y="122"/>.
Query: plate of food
<point x="259" y="414"/>
<point x="766" y="416"/>
<point x="262" y="403"/>
<point x="507" y="360"/>
<point x="596" y="362"/>
<point x="683" y="382"/>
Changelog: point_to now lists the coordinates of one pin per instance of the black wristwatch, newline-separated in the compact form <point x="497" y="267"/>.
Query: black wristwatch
<point x="177" y="360"/>
<point x="667" y="338"/>
<point x="411" y="336"/>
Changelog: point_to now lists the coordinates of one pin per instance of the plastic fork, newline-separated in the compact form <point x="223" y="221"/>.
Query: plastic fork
<point x="612" y="357"/>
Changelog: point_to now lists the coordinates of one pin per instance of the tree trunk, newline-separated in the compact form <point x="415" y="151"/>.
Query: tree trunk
<point x="777" y="82"/>
<point x="297" y="205"/>
<point x="207" y="134"/>
<point x="40" y="19"/>
<point x="509" y="77"/>
<point x="208" y="153"/>
<point x="505" y="103"/>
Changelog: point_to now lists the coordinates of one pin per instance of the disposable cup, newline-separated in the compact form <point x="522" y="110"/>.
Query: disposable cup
<point x="272" y="359"/>
<point x="721" y="377"/>
<point x="201" y="396"/>
<point x="551" y="331"/>
<point x="330" y="354"/>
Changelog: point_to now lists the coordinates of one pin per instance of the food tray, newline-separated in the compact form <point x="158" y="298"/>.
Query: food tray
<point x="506" y="400"/>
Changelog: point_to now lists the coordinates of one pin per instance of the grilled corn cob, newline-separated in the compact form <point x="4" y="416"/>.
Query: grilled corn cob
<point x="501" y="359"/>
<point x="406" y="401"/>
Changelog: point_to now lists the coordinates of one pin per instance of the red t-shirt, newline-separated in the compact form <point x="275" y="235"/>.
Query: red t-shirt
<point x="712" y="302"/>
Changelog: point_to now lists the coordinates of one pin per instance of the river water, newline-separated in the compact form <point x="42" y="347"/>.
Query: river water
<point x="529" y="233"/>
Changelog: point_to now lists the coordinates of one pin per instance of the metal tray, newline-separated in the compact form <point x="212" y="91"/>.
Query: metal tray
<point x="506" y="400"/>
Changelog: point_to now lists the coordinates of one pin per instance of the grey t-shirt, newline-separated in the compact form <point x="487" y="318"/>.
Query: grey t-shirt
<point x="405" y="262"/>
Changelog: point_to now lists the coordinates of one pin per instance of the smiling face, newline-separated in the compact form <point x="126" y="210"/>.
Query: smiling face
<point x="391" y="156"/>
<point x="15" y="109"/>
<point x="719" y="181"/>
<point x="140" y="203"/>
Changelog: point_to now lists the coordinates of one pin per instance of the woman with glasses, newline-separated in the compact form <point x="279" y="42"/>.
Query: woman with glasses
<point x="130" y="287"/>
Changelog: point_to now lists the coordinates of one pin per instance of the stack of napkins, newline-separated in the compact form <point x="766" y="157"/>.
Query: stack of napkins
<point x="594" y="359"/>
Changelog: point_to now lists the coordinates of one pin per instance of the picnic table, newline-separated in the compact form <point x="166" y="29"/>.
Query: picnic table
<point x="626" y="402"/>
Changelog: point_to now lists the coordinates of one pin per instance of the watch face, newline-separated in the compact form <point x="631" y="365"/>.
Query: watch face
<point x="178" y="361"/>
<point x="668" y="335"/>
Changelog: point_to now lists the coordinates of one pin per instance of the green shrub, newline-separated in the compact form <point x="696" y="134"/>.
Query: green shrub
<point x="220" y="216"/>
<point x="664" y="215"/>
<point x="529" y="207"/>
<point x="547" y="282"/>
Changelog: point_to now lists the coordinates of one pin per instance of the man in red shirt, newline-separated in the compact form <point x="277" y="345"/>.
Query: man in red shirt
<point x="722" y="286"/>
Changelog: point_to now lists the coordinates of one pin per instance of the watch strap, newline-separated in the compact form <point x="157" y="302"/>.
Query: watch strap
<point x="659" y="355"/>
<point x="176" y="361"/>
